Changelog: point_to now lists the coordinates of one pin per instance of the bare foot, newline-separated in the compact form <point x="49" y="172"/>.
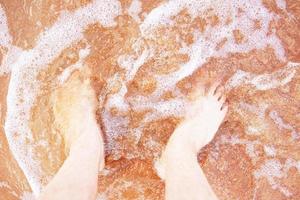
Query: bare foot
<point x="199" y="127"/>
<point x="74" y="111"/>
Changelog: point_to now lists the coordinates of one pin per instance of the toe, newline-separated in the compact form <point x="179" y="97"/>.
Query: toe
<point x="214" y="87"/>
<point x="219" y="92"/>
<point x="222" y="100"/>
<point x="224" y="107"/>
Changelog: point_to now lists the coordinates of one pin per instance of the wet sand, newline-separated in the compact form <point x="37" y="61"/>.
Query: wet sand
<point x="146" y="58"/>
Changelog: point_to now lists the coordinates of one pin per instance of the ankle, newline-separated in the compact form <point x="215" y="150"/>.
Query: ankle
<point x="179" y="151"/>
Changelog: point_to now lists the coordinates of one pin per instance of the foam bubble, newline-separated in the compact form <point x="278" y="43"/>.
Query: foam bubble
<point x="118" y="125"/>
<point x="264" y="81"/>
<point x="281" y="4"/>
<point x="270" y="150"/>
<point x="237" y="79"/>
<point x="162" y="14"/>
<point x="250" y="146"/>
<point x="118" y="100"/>
<point x="135" y="9"/>
<point x="132" y="65"/>
<point x="5" y="38"/>
<point x="83" y="53"/>
<point x="115" y="125"/>
<point x="11" y="52"/>
<point x="272" y="169"/>
<point x="282" y="125"/>
<point x="205" y="43"/>
<point x="198" y="53"/>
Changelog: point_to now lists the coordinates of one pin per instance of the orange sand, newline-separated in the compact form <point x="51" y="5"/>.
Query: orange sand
<point x="255" y="154"/>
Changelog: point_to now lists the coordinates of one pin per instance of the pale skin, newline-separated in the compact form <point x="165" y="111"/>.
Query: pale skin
<point x="183" y="175"/>
<point x="78" y="176"/>
<point x="74" y="108"/>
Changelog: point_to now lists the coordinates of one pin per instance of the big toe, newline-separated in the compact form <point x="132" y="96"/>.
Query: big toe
<point x="213" y="88"/>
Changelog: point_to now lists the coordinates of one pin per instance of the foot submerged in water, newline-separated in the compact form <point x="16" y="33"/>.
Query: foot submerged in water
<point x="74" y="111"/>
<point x="199" y="127"/>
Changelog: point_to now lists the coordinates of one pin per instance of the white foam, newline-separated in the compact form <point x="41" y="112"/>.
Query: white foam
<point x="132" y="65"/>
<point x="159" y="109"/>
<point x="270" y="150"/>
<point x="282" y="125"/>
<point x="5" y="37"/>
<point x="289" y="163"/>
<point x="198" y="53"/>
<point x="162" y="109"/>
<point x="11" y="52"/>
<point x="83" y="53"/>
<point x="115" y="125"/>
<point x="135" y="9"/>
<point x="270" y="81"/>
<point x="264" y="81"/>
<point x="270" y="170"/>
<point x="252" y="130"/>
<point x="257" y="113"/>
<point x="205" y="43"/>
<point x="250" y="146"/>
<point x="118" y="125"/>
<point x="204" y="46"/>
<point x="259" y="110"/>
<point x="24" y="85"/>
<point x="251" y="151"/>
<point x="254" y="10"/>
<point x="281" y="4"/>
<point x="237" y="79"/>
<point x="162" y="14"/>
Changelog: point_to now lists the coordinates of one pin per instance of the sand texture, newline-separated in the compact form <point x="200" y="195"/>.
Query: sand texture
<point x="144" y="59"/>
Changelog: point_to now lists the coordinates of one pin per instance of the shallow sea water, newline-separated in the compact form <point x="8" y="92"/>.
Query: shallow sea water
<point x="146" y="58"/>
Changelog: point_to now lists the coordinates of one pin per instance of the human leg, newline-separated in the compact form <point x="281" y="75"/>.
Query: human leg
<point x="181" y="170"/>
<point x="74" y="110"/>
